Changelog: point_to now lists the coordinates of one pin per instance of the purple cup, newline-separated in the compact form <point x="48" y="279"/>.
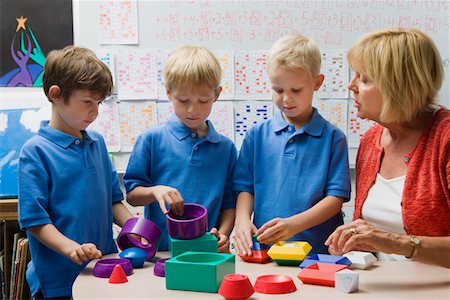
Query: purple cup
<point x="104" y="267"/>
<point x="159" y="269"/>
<point x="143" y="228"/>
<point x="192" y="224"/>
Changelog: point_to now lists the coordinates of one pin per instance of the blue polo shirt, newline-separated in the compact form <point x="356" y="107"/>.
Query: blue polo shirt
<point x="288" y="171"/>
<point x="71" y="184"/>
<point x="201" y="169"/>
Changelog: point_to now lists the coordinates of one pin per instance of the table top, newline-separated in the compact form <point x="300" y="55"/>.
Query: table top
<point x="384" y="280"/>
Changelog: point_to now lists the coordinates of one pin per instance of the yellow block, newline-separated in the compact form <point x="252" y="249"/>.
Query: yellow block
<point x="289" y="250"/>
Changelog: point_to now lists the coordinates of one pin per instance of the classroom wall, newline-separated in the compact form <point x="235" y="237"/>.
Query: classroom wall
<point x="255" y="25"/>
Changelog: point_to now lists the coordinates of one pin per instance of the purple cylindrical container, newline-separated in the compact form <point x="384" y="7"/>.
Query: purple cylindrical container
<point x="143" y="228"/>
<point x="192" y="224"/>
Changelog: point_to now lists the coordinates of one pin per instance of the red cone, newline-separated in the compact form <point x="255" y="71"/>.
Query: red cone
<point x="118" y="275"/>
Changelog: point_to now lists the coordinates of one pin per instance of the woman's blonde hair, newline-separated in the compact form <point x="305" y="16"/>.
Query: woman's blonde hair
<point x="407" y="67"/>
<point x="295" y="51"/>
<point x="76" y="68"/>
<point x="193" y="66"/>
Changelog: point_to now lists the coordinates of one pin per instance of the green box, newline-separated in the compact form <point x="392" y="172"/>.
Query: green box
<point x="205" y="243"/>
<point x="198" y="271"/>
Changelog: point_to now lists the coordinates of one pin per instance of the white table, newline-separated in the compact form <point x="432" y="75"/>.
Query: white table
<point x="384" y="280"/>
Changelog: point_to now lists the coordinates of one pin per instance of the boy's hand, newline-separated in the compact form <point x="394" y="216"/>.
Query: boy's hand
<point x="84" y="252"/>
<point x="243" y="232"/>
<point x="275" y="230"/>
<point x="166" y="194"/>
<point x="224" y="243"/>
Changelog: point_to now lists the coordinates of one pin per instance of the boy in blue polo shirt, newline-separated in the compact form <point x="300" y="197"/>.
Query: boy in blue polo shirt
<point x="69" y="191"/>
<point x="186" y="159"/>
<point x="293" y="169"/>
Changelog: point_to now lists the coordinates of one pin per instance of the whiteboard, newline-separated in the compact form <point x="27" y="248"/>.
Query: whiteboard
<point x="255" y="25"/>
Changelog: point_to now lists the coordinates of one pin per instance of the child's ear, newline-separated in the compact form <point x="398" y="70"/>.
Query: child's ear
<point x="319" y="80"/>
<point x="169" y="94"/>
<point x="54" y="93"/>
<point x="218" y="91"/>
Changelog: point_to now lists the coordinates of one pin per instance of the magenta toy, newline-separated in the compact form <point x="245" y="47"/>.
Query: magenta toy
<point x="192" y="224"/>
<point x="104" y="267"/>
<point x="142" y="228"/>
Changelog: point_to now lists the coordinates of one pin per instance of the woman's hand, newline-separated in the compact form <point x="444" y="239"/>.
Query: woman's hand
<point x="362" y="236"/>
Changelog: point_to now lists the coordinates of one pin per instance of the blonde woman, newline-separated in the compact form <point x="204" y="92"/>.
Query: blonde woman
<point x="402" y="206"/>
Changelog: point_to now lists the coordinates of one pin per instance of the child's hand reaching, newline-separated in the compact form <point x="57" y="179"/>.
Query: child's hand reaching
<point x="84" y="252"/>
<point x="224" y="243"/>
<point x="243" y="237"/>
<point x="166" y="194"/>
<point x="275" y="230"/>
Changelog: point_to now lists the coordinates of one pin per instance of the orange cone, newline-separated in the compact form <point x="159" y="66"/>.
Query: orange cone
<point x="118" y="275"/>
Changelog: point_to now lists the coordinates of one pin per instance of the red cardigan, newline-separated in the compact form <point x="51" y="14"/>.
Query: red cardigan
<point x="426" y="196"/>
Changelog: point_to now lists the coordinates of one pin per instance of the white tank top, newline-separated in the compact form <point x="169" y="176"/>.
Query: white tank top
<point x="383" y="208"/>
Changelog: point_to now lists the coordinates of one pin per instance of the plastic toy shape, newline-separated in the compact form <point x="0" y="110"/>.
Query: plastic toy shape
<point x="275" y="284"/>
<point x="192" y="224"/>
<point x="136" y="256"/>
<point x="198" y="271"/>
<point x="159" y="269"/>
<point x="205" y="243"/>
<point x="256" y="245"/>
<point x="289" y="253"/>
<point x="118" y="275"/>
<point x="360" y="260"/>
<point x="258" y="256"/>
<point x="104" y="267"/>
<point x="326" y="259"/>
<point x="236" y="287"/>
<point x="320" y="274"/>
<point x="346" y="281"/>
<point x="143" y="228"/>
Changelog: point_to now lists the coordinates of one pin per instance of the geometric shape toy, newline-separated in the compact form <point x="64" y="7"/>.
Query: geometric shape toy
<point x="256" y="245"/>
<point x="258" y="256"/>
<point x="360" y="260"/>
<point x="143" y="228"/>
<point x="136" y="256"/>
<point x="326" y="259"/>
<point x="289" y="253"/>
<point x="320" y="273"/>
<point x="236" y="287"/>
<point x="104" y="267"/>
<point x="205" y="243"/>
<point x="192" y="224"/>
<point x="198" y="271"/>
<point x="346" y="281"/>
<point x="118" y="275"/>
<point x="275" y="284"/>
<point x="159" y="269"/>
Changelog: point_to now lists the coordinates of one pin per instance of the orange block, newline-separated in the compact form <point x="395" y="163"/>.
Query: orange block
<point x="320" y="274"/>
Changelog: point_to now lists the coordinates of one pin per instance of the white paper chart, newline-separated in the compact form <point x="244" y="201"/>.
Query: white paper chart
<point x="135" y="117"/>
<point x="136" y="73"/>
<point x="335" y="69"/>
<point x="247" y="114"/>
<point x="108" y="58"/>
<point x="118" y="22"/>
<point x="222" y="117"/>
<point x="356" y="127"/>
<point x="165" y="111"/>
<point x="251" y="80"/>
<point x="334" y="111"/>
<point x="226" y="59"/>
<point x="107" y="123"/>
<point x="161" y="57"/>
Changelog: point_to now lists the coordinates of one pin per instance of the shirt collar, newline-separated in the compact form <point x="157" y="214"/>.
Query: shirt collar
<point x="180" y="131"/>
<point x="314" y="127"/>
<point x="60" y="138"/>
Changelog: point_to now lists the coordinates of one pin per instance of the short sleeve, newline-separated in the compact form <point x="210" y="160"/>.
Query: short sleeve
<point x="243" y="175"/>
